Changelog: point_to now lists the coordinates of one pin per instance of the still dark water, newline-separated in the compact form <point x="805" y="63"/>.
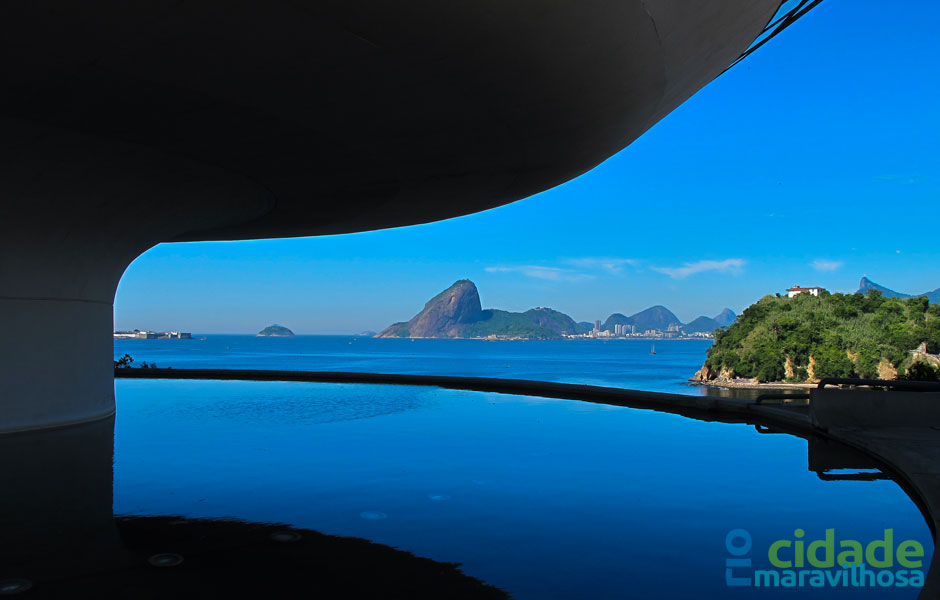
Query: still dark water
<point x="542" y="498"/>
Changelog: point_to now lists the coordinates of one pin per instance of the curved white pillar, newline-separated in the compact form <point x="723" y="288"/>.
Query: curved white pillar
<point x="74" y="212"/>
<point x="57" y="366"/>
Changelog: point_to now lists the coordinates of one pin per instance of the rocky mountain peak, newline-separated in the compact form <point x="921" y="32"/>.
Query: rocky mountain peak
<point x="726" y="317"/>
<point x="458" y="304"/>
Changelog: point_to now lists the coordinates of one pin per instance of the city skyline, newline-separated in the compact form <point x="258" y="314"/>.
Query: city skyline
<point x="809" y="163"/>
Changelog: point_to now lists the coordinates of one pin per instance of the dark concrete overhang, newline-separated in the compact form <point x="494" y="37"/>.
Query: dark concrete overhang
<point x="127" y="124"/>
<point x="342" y="116"/>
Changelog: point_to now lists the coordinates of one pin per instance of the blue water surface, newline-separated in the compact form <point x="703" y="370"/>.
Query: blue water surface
<point x="624" y="363"/>
<point x="542" y="498"/>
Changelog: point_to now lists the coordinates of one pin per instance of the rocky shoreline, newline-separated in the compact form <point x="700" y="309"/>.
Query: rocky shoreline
<point x="726" y="379"/>
<point x="751" y="384"/>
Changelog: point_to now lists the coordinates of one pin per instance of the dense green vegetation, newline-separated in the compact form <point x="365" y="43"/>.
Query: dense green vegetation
<point x="399" y="329"/>
<point x="526" y="325"/>
<point x="846" y="335"/>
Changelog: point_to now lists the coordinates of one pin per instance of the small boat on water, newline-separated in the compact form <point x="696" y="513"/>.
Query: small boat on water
<point x="653" y="349"/>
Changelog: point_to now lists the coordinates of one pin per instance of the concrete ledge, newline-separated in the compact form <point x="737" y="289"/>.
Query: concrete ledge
<point x="709" y="408"/>
<point x="873" y="408"/>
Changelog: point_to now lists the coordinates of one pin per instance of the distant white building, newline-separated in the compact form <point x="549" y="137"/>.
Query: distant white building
<point x="796" y="290"/>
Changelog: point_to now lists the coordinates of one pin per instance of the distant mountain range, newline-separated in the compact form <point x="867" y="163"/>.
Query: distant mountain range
<point x="654" y="317"/>
<point x="867" y="284"/>
<point x="661" y="318"/>
<point x="726" y="317"/>
<point x="702" y="324"/>
<point x="457" y="313"/>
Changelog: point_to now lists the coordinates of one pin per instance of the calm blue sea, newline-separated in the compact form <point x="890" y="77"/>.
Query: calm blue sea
<point x="546" y="499"/>
<point x="622" y="363"/>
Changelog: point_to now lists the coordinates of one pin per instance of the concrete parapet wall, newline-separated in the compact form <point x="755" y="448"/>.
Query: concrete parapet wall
<point x="873" y="408"/>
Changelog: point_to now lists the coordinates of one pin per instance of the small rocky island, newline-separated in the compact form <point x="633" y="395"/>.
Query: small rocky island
<point x="275" y="331"/>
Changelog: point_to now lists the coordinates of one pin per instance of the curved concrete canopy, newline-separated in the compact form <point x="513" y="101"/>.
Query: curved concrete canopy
<point x="350" y="116"/>
<point x="129" y="124"/>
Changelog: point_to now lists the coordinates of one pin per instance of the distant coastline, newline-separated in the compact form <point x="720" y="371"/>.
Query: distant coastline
<point x="137" y="334"/>
<point x="750" y="384"/>
<point x="457" y="313"/>
<point x="497" y="338"/>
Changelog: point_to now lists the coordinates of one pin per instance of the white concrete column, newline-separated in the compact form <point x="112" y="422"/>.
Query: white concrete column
<point x="57" y="285"/>
<point x="74" y="212"/>
<point x="57" y="361"/>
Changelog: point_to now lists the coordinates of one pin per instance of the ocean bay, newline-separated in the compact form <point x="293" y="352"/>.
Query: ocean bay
<point x="623" y="363"/>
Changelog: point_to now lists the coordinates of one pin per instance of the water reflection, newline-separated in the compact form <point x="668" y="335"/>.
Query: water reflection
<point x="62" y="540"/>
<point x="745" y="393"/>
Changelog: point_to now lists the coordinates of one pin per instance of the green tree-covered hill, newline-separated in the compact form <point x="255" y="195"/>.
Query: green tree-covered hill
<point x="833" y="335"/>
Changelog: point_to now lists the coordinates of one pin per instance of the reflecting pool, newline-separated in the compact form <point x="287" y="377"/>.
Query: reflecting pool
<point x="540" y="498"/>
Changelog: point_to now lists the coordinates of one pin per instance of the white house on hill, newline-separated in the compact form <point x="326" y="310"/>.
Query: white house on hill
<point x="796" y="290"/>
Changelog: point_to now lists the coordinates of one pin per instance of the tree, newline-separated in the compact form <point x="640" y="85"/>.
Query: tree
<point x="847" y="335"/>
<point x="921" y="371"/>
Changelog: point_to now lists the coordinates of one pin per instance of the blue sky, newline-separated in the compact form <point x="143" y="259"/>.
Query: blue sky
<point x="815" y="161"/>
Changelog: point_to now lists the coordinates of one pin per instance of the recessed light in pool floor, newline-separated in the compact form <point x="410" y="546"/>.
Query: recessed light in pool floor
<point x="165" y="559"/>
<point x="285" y="536"/>
<point x="9" y="587"/>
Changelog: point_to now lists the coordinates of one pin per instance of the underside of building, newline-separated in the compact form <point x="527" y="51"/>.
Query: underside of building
<point x="130" y="124"/>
